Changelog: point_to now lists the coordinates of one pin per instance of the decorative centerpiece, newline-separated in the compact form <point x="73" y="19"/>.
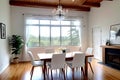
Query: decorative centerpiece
<point x="108" y="42"/>
<point x="62" y="50"/>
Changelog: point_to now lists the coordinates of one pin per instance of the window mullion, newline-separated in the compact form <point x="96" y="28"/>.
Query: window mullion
<point x="39" y="34"/>
<point x="71" y="32"/>
<point x="60" y="34"/>
<point x="50" y="33"/>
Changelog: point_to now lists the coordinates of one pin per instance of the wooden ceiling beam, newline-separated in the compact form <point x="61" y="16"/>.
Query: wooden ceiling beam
<point x="31" y="4"/>
<point x="107" y="0"/>
<point x="23" y="3"/>
<point x="90" y="4"/>
<point x="80" y="2"/>
<point x="78" y="8"/>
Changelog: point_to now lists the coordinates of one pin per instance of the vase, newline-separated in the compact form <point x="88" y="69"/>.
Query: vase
<point x="63" y="51"/>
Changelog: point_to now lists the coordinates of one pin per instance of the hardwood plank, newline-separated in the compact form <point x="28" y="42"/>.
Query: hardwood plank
<point x="21" y="71"/>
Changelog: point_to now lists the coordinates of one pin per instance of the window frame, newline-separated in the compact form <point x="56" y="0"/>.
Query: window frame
<point x="71" y="25"/>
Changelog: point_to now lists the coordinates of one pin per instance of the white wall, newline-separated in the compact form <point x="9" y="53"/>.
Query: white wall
<point x="108" y="14"/>
<point x="17" y="19"/>
<point x="4" y="18"/>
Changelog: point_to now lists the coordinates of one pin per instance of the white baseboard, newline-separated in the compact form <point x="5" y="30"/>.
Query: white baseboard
<point x="3" y="68"/>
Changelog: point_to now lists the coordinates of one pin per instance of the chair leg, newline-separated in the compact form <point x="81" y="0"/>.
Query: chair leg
<point x="72" y="73"/>
<point x="64" y="74"/>
<point x="66" y="71"/>
<point x="85" y="78"/>
<point x="48" y="71"/>
<point x="91" y="67"/>
<point x="51" y="75"/>
<point x="32" y="71"/>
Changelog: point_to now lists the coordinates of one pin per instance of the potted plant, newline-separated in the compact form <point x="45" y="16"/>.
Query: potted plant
<point x="16" y="43"/>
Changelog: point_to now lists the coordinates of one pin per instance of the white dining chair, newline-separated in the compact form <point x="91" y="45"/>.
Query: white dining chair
<point x="34" y="63"/>
<point x="77" y="62"/>
<point x="57" y="62"/>
<point x="90" y="51"/>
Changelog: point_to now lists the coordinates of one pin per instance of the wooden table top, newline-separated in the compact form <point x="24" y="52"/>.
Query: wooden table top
<point x="68" y="55"/>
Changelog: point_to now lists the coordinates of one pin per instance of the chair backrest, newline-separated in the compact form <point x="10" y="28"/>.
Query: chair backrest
<point x="58" y="61"/>
<point x="89" y="51"/>
<point x="31" y="56"/>
<point x="78" y="60"/>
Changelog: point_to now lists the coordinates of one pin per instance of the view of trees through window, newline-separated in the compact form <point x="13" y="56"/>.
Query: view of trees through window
<point x="52" y="33"/>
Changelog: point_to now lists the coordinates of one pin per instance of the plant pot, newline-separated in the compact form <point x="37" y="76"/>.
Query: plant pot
<point x="15" y="60"/>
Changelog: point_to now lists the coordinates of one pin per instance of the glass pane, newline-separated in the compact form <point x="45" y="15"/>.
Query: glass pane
<point x="75" y="40"/>
<point x="65" y="22"/>
<point x="65" y="31"/>
<point x="44" y="35"/>
<point x="33" y="36"/>
<point x="45" y="22"/>
<point x="76" y="23"/>
<point x="55" y="35"/>
<point x="55" y="22"/>
<point x="30" y="21"/>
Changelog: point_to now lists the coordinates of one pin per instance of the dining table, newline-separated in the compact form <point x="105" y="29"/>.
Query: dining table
<point x="46" y="57"/>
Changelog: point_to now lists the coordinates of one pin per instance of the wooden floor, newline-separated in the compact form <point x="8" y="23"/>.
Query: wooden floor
<point x="21" y="71"/>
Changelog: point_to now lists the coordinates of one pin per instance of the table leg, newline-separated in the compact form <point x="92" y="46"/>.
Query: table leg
<point x="44" y="70"/>
<point x="86" y="67"/>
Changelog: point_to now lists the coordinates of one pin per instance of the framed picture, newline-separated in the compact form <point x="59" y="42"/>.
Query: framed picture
<point x="3" y="31"/>
<point x="115" y="34"/>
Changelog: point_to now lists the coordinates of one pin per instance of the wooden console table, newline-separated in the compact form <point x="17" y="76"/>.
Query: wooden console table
<point x="104" y="47"/>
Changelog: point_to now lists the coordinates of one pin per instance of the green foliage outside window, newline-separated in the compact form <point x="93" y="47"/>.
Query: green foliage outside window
<point x="74" y="37"/>
<point x="71" y="37"/>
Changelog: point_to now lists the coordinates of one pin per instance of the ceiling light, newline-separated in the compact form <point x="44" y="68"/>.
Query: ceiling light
<point x="59" y="13"/>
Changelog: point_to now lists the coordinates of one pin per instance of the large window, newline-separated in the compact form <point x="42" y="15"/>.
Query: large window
<point x="52" y="33"/>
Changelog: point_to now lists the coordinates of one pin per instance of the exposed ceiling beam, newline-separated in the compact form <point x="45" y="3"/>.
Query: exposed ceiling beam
<point x="46" y="5"/>
<point x="107" y="0"/>
<point x="90" y="4"/>
<point x="80" y="1"/>
<point x="78" y="8"/>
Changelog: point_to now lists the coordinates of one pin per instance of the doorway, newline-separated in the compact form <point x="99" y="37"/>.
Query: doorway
<point x="97" y="41"/>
